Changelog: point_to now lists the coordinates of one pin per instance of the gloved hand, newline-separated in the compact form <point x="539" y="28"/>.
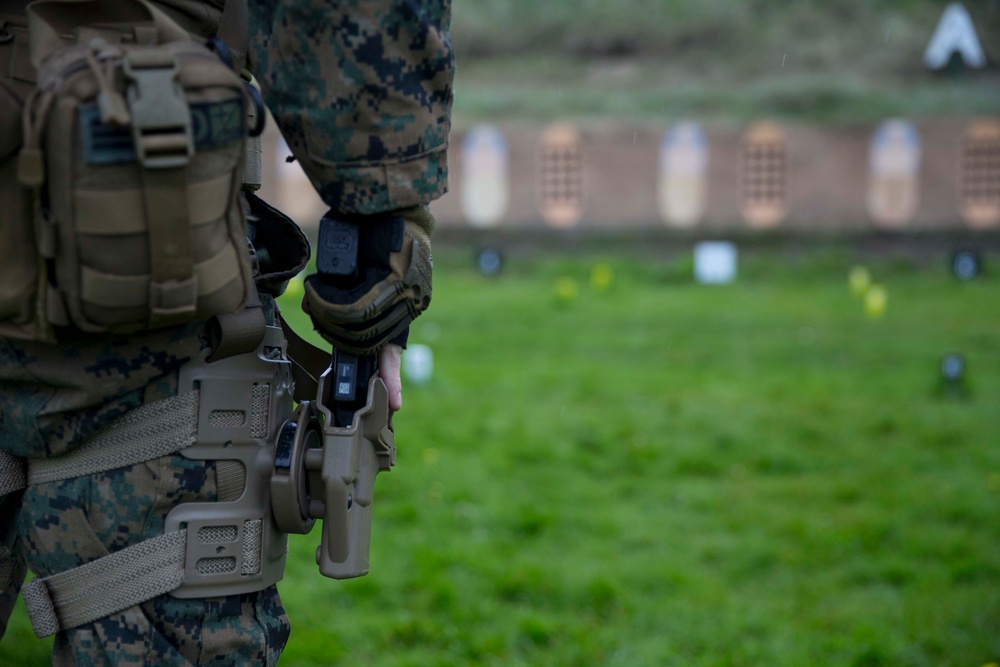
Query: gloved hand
<point x="362" y="312"/>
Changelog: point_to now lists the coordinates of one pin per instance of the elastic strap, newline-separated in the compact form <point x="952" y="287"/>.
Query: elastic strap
<point x="148" y="432"/>
<point x="107" y="585"/>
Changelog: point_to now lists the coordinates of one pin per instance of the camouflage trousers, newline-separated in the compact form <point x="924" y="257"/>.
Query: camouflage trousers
<point x="52" y="399"/>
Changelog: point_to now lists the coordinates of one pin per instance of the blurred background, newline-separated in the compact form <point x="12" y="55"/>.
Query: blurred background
<point x="712" y="374"/>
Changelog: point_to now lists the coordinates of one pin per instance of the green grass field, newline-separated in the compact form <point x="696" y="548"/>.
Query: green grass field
<point x="671" y="474"/>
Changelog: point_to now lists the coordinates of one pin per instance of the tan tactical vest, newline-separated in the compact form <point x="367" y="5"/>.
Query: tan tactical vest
<point x="121" y="159"/>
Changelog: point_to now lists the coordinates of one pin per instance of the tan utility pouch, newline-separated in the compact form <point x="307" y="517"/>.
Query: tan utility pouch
<point x="133" y="146"/>
<point x="21" y="292"/>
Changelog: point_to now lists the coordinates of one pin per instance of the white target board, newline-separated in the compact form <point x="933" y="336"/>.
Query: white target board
<point x="485" y="177"/>
<point x="894" y="174"/>
<point x="764" y="176"/>
<point x="683" y="176"/>
<point x="560" y="176"/>
<point x="979" y="175"/>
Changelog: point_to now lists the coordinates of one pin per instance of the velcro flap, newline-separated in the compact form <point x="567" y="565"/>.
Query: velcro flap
<point x="174" y="296"/>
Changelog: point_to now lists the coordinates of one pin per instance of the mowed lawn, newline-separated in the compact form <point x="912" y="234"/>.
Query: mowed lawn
<point x="662" y="473"/>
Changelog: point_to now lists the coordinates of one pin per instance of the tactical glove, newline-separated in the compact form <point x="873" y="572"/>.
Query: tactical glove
<point x="388" y="289"/>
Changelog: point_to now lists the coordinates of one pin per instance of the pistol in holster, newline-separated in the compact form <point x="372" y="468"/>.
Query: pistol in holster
<point x="327" y="471"/>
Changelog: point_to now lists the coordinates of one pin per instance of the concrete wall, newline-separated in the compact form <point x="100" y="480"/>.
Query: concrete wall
<point x="828" y="179"/>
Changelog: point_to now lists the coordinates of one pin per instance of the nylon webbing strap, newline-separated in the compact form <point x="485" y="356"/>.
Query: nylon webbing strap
<point x="237" y="333"/>
<point x="146" y="433"/>
<point x="308" y="363"/>
<point x="117" y="291"/>
<point x="107" y="585"/>
<point x="119" y="212"/>
<point x="11" y="473"/>
<point x="8" y="563"/>
<point x="235" y="32"/>
<point x="174" y="290"/>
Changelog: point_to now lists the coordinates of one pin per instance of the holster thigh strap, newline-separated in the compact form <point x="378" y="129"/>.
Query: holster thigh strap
<point x="11" y="473"/>
<point x="141" y="572"/>
<point x="146" y="433"/>
<point x="107" y="585"/>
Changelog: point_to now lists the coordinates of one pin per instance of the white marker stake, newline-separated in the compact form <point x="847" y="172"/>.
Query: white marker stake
<point x="683" y="167"/>
<point x="418" y="364"/>
<point x="894" y="174"/>
<point x="485" y="179"/>
<point x="955" y="34"/>
<point x="715" y="262"/>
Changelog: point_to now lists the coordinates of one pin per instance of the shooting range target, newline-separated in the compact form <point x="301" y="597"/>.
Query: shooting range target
<point x="485" y="181"/>
<point x="979" y="175"/>
<point x="683" y="169"/>
<point x="560" y="176"/>
<point x="763" y="176"/>
<point x="894" y="174"/>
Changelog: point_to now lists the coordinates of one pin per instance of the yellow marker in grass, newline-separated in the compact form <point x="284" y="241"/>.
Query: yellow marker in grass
<point x="859" y="280"/>
<point x="566" y="289"/>
<point x="876" y="301"/>
<point x="602" y="276"/>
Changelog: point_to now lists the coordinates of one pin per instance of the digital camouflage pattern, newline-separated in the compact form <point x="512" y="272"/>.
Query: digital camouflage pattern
<point x="362" y="91"/>
<point x="52" y="399"/>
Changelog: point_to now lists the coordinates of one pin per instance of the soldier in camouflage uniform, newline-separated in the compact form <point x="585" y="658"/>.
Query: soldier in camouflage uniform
<point x="361" y="90"/>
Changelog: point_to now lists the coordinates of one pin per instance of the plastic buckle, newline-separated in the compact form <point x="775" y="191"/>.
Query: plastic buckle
<point x="161" y="117"/>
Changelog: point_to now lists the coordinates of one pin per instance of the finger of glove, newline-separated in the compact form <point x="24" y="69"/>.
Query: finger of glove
<point x="369" y="338"/>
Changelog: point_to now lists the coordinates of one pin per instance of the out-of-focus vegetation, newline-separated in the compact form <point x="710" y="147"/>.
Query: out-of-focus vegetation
<point x="839" y="60"/>
<point x="667" y="475"/>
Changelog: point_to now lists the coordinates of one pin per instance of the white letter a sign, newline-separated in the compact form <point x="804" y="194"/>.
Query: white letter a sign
<point x="955" y="33"/>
